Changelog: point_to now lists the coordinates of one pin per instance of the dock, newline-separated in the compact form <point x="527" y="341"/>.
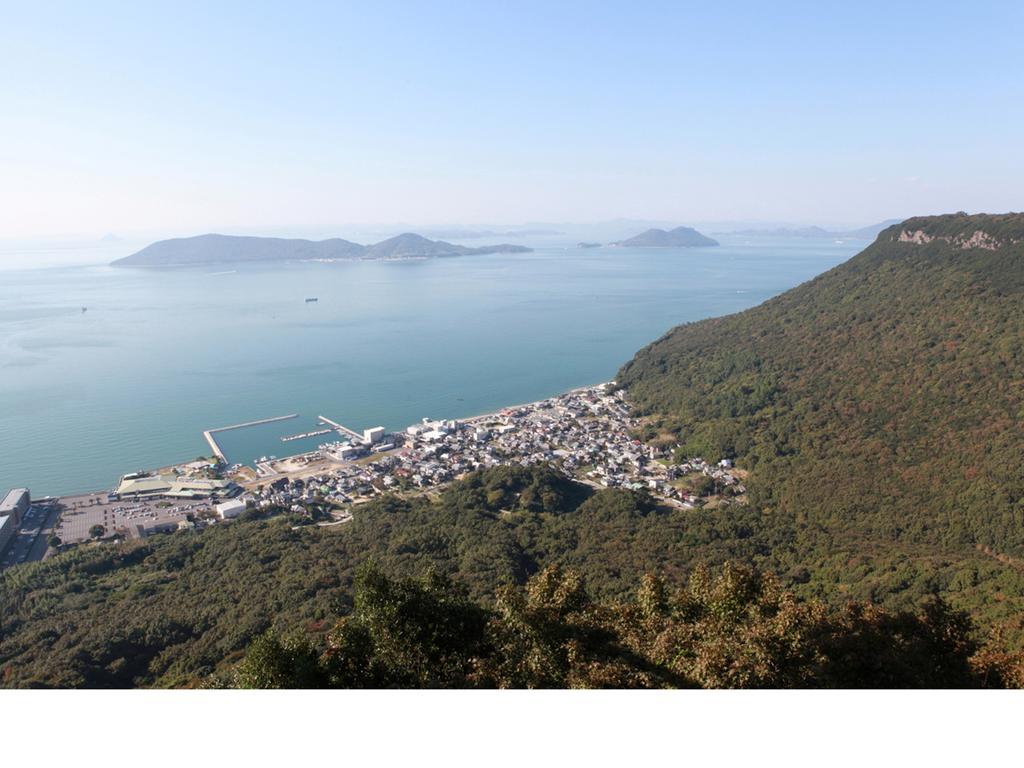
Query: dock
<point x="315" y="433"/>
<point x="341" y="428"/>
<point x="209" y="433"/>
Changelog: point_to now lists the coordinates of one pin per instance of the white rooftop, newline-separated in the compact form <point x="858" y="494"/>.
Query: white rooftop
<point x="12" y="498"/>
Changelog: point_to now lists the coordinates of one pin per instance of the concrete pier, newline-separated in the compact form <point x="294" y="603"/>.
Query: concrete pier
<point x="342" y="428"/>
<point x="255" y="423"/>
<point x="208" y="434"/>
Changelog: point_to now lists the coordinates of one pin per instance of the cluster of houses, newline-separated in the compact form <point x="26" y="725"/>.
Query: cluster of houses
<point x="588" y="433"/>
<point x="296" y="494"/>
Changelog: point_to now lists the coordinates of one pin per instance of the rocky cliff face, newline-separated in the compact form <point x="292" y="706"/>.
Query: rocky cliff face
<point x="977" y="239"/>
<point x="982" y="231"/>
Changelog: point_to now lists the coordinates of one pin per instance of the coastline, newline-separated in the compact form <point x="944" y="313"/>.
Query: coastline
<point x="208" y="433"/>
<point x="494" y="414"/>
<point x="242" y="336"/>
<point x="587" y="433"/>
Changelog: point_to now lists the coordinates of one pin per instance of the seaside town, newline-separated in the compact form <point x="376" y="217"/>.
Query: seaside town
<point x="588" y="433"/>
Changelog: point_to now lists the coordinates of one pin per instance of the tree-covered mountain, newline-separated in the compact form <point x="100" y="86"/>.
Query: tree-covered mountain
<point x="680" y="237"/>
<point x="878" y="406"/>
<point x="213" y="249"/>
<point x="227" y="249"/>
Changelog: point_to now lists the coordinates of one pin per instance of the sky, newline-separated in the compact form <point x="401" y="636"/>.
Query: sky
<point x="191" y="117"/>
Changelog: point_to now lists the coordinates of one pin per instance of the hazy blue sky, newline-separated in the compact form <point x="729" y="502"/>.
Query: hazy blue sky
<point x="182" y="117"/>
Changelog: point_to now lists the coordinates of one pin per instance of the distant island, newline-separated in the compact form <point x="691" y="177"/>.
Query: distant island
<point x="588" y="245"/>
<point x="223" y="249"/>
<point x="864" y="233"/>
<point x="680" y="237"/>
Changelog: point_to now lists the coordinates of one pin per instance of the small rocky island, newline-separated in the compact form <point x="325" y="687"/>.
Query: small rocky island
<point x="231" y="249"/>
<point x="680" y="237"/>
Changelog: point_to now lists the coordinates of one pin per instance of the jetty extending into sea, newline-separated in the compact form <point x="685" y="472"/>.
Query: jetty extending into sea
<point x="341" y="428"/>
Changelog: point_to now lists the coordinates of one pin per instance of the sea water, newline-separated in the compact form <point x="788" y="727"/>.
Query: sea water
<point x="159" y="355"/>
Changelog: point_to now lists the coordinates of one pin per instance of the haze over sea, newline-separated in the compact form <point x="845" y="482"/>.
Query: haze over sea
<point x="161" y="355"/>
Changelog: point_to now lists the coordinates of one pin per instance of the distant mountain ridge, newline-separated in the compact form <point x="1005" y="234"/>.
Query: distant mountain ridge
<point x="869" y="232"/>
<point x="680" y="237"/>
<point x="222" y="249"/>
<point x="471" y="234"/>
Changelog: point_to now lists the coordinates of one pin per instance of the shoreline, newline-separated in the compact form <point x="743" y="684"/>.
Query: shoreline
<point x="586" y="433"/>
<point x="211" y="431"/>
<point x="492" y="414"/>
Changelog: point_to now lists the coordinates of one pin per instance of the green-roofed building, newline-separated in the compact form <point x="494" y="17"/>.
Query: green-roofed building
<point x="173" y="487"/>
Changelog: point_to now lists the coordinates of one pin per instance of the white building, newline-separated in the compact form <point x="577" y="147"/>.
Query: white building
<point x="373" y="436"/>
<point x="231" y="509"/>
<point x="349" y="452"/>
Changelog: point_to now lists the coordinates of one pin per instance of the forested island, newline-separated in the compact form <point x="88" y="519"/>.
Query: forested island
<point x="680" y="237"/>
<point x="875" y="413"/>
<point x="231" y="249"/>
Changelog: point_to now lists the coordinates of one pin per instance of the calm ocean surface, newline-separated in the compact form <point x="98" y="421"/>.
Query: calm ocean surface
<point x="161" y="355"/>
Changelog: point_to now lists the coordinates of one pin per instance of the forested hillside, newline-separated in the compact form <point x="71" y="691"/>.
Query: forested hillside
<point x="733" y="629"/>
<point x="878" y="406"/>
<point x="171" y="609"/>
<point x="181" y="609"/>
<point x="442" y="605"/>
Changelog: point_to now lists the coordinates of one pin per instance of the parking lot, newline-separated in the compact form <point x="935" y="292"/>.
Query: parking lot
<point x="83" y="512"/>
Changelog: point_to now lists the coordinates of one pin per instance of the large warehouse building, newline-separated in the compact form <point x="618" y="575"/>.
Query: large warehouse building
<point x="15" y="504"/>
<point x="143" y="485"/>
